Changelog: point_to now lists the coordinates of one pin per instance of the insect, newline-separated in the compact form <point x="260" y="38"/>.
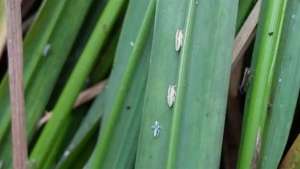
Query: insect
<point x="46" y="50"/>
<point x="156" y="128"/>
<point x="131" y="44"/>
<point x="171" y="97"/>
<point x="246" y="80"/>
<point x="178" y="40"/>
<point x="66" y="153"/>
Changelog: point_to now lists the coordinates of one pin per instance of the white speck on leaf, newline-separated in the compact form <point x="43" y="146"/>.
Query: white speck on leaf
<point x="131" y="44"/>
<point x="171" y="97"/>
<point x="293" y="16"/>
<point x="279" y="80"/>
<point x="156" y="129"/>
<point x="66" y="153"/>
<point x="47" y="49"/>
<point x="178" y="40"/>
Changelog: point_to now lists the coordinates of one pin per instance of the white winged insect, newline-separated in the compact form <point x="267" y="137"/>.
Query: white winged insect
<point x="46" y="50"/>
<point x="156" y="128"/>
<point x="171" y="97"/>
<point x="178" y="40"/>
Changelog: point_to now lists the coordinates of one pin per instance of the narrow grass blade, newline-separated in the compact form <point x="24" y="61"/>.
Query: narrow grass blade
<point x="91" y="122"/>
<point x="135" y="10"/>
<point x="61" y="112"/>
<point x="40" y="87"/>
<point x="285" y="90"/>
<point x="103" y="68"/>
<point x="34" y="44"/>
<point x="258" y="97"/>
<point x="84" y="133"/>
<point x="90" y="21"/>
<point x="61" y="41"/>
<point x="116" y="107"/>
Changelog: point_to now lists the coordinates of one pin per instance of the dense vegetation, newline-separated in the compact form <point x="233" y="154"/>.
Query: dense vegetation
<point x="157" y="84"/>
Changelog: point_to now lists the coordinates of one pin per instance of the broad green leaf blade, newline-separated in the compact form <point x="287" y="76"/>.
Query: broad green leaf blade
<point x="152" y="150"/>
<point x="258" y="97"/>
<point x="128" y="80"/>
<point x="202" y="66"/>
<point x="285" y="90"/>
<point x="61" y="112"/>
<point x="203" y="83"/>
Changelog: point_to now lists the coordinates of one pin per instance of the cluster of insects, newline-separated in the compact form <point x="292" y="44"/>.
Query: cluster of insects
<point x="171" y="95"/>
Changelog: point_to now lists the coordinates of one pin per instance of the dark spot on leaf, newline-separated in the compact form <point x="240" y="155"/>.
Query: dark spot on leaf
<point x="270" y="33"/>
<point x="128" y="107"/>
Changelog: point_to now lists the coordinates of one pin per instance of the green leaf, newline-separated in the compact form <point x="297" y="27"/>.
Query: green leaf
<point x="61" y="113"/>
<point x="91" y="18"/>
<point x="200" y="72"/>
<point x="86" y="130"/>
<point x="34" y="43"/>
<point x="262" y="67"/>
<point x="127" y="80"/>
<point x="91" y="121"/>
<point x="40" y="87"/>
<point x="285" y="90"/>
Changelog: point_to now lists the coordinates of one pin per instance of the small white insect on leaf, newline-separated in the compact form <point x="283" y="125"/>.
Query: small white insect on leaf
<point x="66" y="153"/>
<point x="178" y="40"/>
<point x="46" y="50"/>
<point x="131" y="44"/>
<point x="171" y="97"/>
<point x="156" y="128"/>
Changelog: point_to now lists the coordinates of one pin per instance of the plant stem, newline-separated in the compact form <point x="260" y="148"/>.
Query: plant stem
<point x="15" y="66"/>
